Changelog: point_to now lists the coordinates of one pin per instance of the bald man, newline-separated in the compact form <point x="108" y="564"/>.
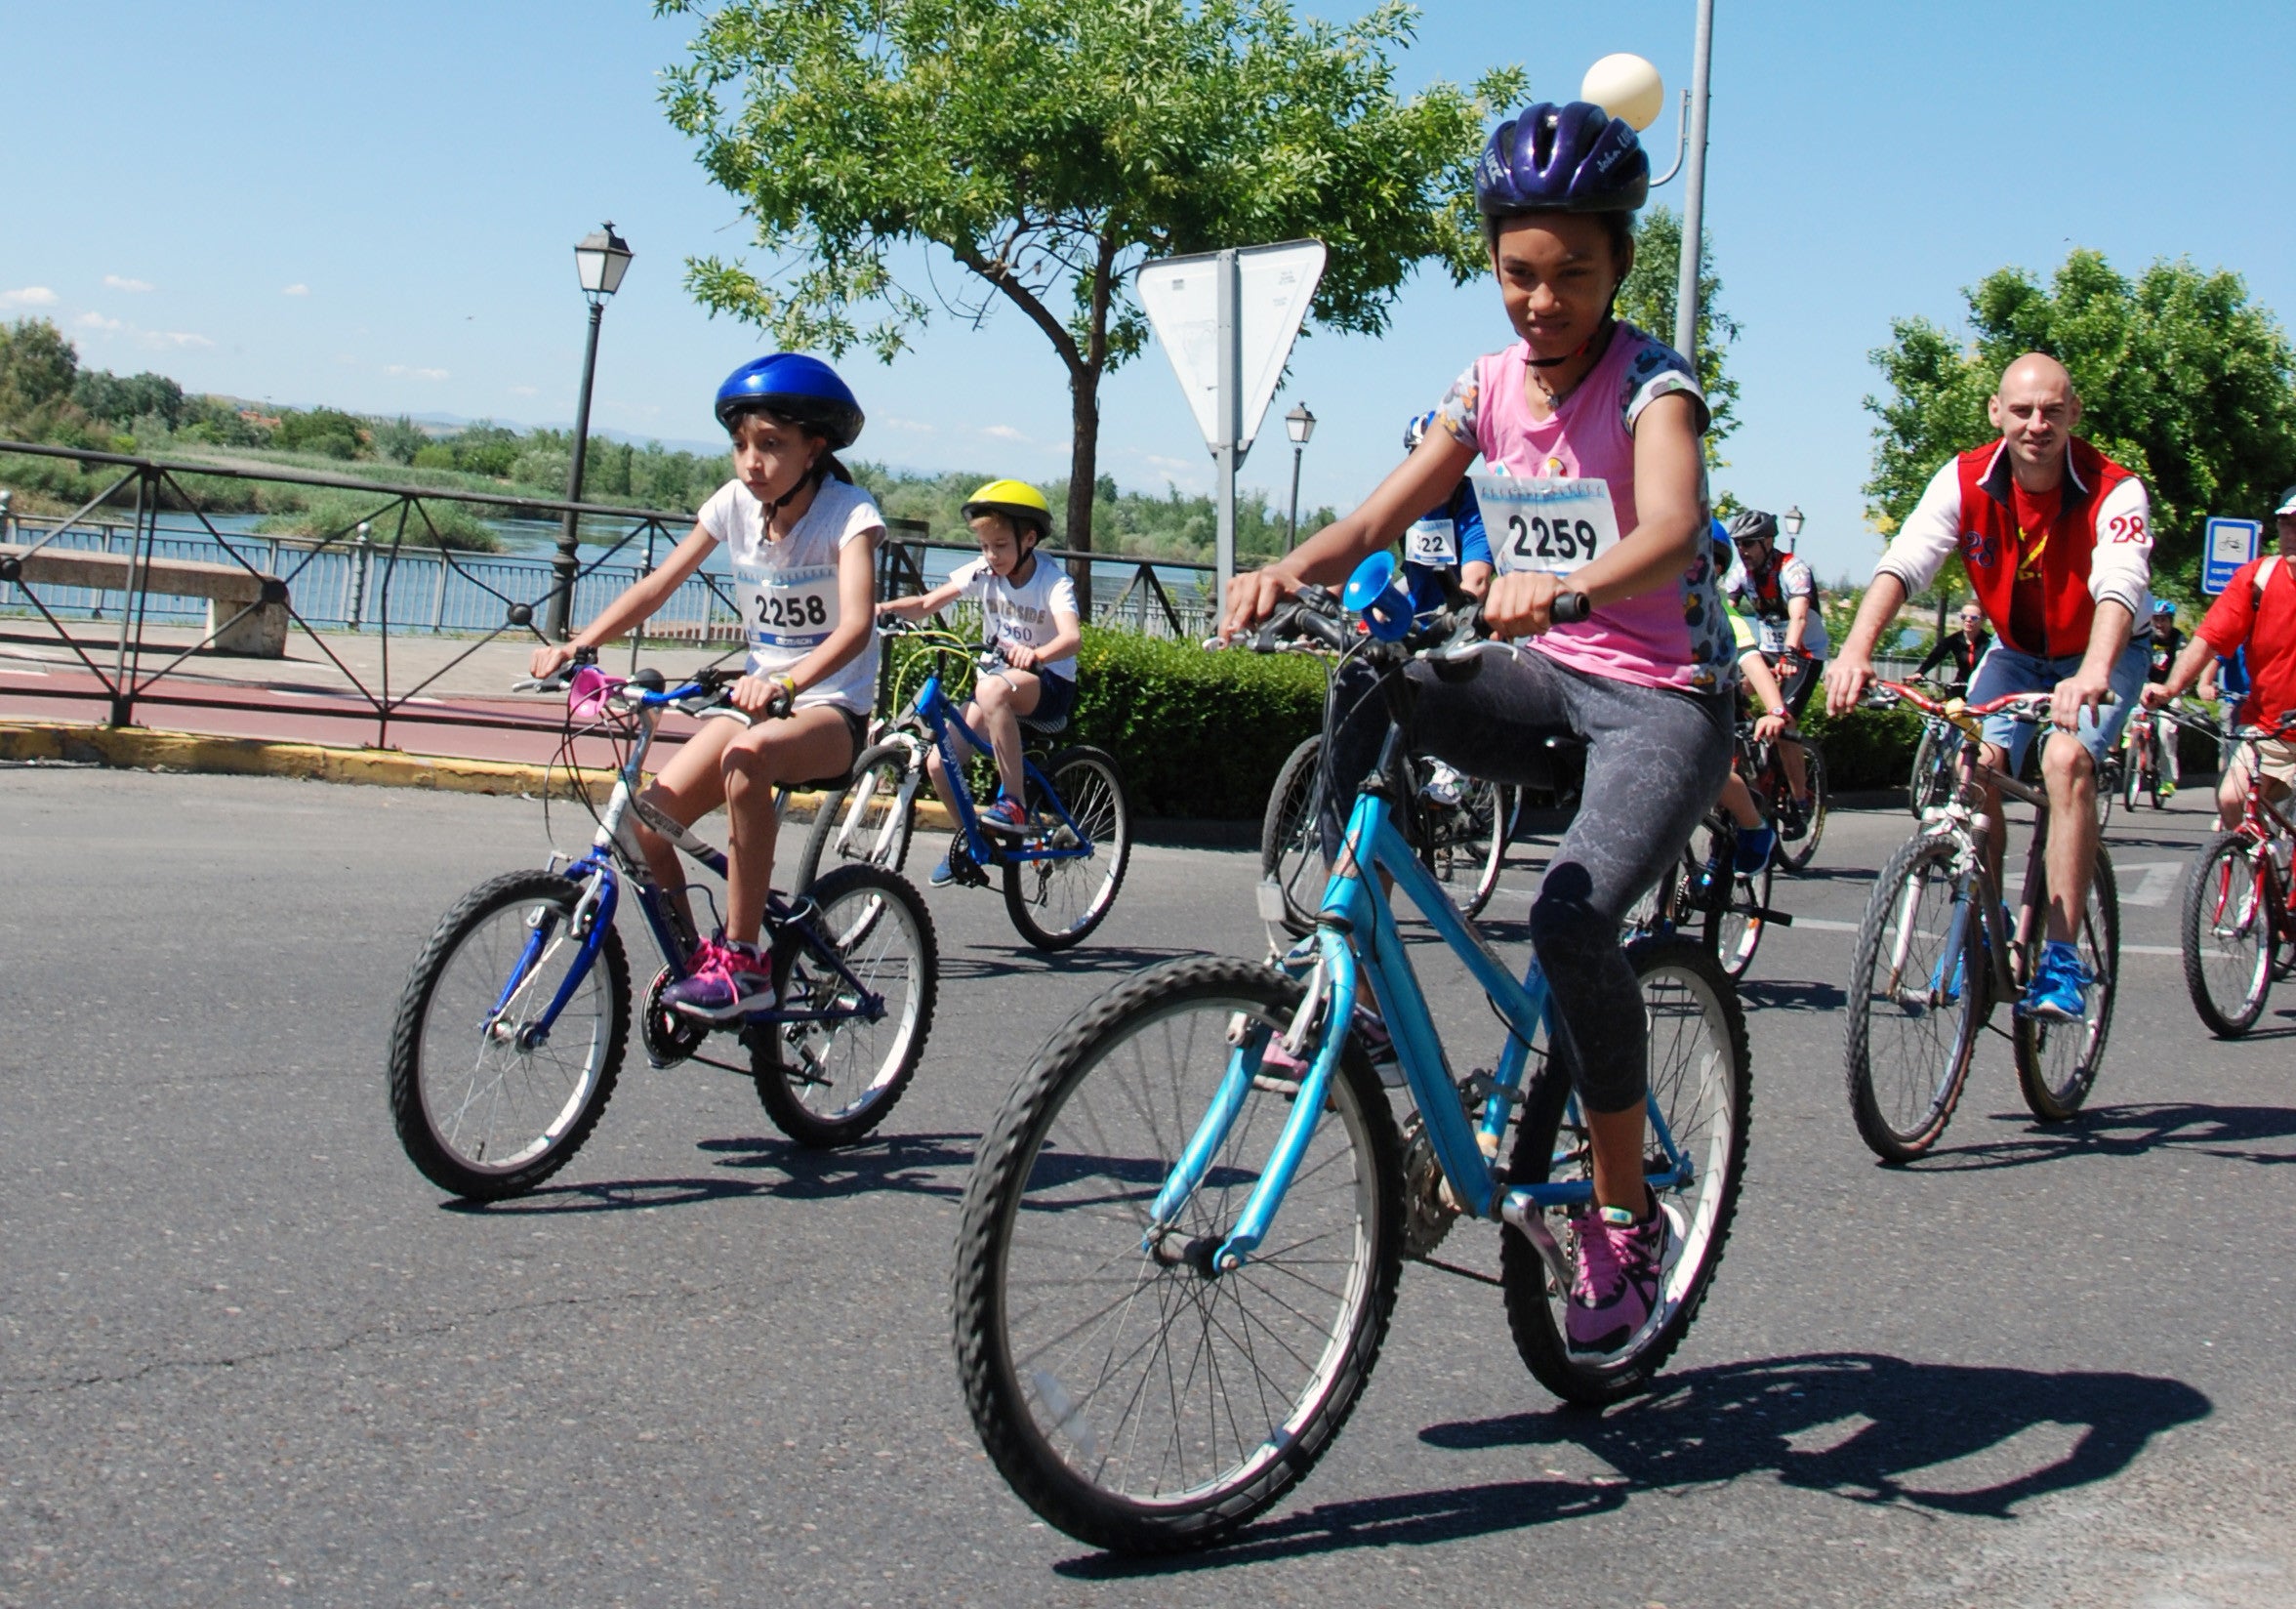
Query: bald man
<point x="2058" y="542"/>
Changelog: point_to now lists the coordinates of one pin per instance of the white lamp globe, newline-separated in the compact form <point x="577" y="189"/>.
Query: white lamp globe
<point x="1627" y="86"/>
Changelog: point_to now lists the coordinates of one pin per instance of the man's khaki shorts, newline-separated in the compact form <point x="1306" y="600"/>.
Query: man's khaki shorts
<point x="2278" y="757"/>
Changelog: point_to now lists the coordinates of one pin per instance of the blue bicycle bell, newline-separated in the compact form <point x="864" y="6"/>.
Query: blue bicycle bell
<point x="1375" y="592"/>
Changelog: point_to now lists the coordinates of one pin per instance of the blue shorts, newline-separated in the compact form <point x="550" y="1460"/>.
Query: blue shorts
<point x="1055" y="702"/>
<point x="2004" y="670"/>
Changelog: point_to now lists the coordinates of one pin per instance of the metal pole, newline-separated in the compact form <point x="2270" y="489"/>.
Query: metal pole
<point x="569" y="560"/>
<point x="1291" y="526"/>
<point x="1231" y="416"/>
<point x="1694" y="185"/>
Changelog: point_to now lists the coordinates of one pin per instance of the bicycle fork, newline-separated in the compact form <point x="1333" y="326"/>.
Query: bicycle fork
<point x="588" y="923"/>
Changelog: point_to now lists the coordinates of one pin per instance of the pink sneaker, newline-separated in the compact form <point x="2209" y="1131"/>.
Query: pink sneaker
<point x="727" y="981"/>
<point x="1004" y="817"/>
<point x="1619" y="1263"/>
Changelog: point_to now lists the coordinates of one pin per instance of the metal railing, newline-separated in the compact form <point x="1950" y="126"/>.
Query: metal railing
<point x="386" y="575"/>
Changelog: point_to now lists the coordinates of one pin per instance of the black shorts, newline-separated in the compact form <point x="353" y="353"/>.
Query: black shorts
<point x="1055" y="703"/>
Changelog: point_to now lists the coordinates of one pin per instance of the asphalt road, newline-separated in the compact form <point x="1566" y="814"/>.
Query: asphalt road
<point x="248" y="1357"/>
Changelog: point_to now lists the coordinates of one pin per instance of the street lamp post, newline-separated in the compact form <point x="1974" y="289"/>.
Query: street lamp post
<point x="1299" y="425"/>
<point x="599" y="261"/>
<point x="1790" y="523"/>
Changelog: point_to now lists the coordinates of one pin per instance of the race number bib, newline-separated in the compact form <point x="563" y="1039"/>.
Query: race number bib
<point x="794" y="608"/>
<point x="1551" y="525"/>
<point x="1433" y="543"/>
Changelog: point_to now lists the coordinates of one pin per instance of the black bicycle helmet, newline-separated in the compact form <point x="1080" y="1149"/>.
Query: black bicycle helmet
<point x="1752" y="524"/>
<point x="1571" y="158"/>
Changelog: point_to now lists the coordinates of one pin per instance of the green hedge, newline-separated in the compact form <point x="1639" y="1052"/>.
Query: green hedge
<point x="1865" y="748"/>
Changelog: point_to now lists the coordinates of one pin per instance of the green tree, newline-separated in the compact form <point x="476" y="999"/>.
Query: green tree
<point x="109" y="397"/>
<point x="328" y="432"/>
<point x="1648" y="298"/>
<point x="398" y="439"/>
<point x="2181" y="377"/>
<point x="38" y="368"/>
<point x="1050" y="148"/>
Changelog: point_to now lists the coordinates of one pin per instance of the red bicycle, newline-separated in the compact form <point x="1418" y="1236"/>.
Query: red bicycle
<point x="2239" y="907"/>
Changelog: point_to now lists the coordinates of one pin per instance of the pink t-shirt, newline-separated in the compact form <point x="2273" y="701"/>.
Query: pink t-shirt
<point x="1672" y="636"/>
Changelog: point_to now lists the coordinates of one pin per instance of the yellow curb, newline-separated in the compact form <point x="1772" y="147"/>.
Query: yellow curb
<point x="143" y="749"/>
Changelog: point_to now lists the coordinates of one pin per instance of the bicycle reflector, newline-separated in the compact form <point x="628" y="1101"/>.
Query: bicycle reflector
<point x="1375" y="592"/>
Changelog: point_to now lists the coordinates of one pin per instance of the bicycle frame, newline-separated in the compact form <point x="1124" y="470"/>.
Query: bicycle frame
<point x="615" y="853"/>
<point x="933" y="710"/>
<point x="1355" y="905"/>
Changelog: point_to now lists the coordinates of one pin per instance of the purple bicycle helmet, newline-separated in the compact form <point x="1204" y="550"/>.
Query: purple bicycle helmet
<point x="792" y="387"/>
<point x="1551" y="158"/>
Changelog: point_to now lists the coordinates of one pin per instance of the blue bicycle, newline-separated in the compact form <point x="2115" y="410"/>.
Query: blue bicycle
<point x="1183" y="1233"/>
<point x="510" y="1033"/>
<point x="1060" y="879"/>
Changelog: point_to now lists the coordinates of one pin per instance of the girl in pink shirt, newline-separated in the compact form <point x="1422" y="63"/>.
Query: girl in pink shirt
<point x="1590" y="435"/>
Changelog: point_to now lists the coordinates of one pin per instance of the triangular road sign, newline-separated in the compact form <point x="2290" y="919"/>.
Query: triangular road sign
<point x="1273" y="287"/>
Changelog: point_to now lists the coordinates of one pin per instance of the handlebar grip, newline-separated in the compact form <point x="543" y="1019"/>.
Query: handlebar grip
<point x="1570" y="608"/>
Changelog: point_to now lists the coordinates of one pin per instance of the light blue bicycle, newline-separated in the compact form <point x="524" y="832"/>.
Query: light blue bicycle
<point x="1183" y="1233"/>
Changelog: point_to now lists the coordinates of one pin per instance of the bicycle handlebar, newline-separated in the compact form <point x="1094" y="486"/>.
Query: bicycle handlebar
<point x="2036" y="708"/>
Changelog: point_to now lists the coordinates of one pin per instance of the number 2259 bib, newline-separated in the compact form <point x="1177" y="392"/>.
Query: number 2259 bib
<point x="1551" y="525"/>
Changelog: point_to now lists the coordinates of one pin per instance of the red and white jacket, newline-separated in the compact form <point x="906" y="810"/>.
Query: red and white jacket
<point x="2100" y="547"/>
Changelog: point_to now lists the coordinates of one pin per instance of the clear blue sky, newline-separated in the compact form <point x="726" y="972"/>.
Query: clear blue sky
<point x="372" y="207"/>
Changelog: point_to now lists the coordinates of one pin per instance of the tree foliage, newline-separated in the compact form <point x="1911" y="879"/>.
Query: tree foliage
<point x="1048" y="147"/>
<point x="1649" y="298"/>
<point x="38" y="368"/>
<point x="2181" y="377"/>
<point x="122" y="400"/>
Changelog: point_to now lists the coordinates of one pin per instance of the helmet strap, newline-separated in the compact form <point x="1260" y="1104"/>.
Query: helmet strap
<point x="1601" y="331"/>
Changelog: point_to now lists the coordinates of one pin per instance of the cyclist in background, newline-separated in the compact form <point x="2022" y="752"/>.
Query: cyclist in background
<point x="2256" y="620"/>
<point x="1781" y="593"/>
<point x="800" y="537"/>
<point x="1756" y="837"/>
<point x="2168" y="643"/>
<point x="1029" y="621"/>
<point x="2057" y="540"/>
<point x="1964" y="648"/>
<point x="1610" y="419"/>
<point x="1447" y="540"/>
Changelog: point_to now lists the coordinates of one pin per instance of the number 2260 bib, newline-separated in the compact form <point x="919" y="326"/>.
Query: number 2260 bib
<point x="1551" y="525"/>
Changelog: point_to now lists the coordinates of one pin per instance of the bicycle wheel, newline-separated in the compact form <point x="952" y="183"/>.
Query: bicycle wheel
<point x="2057" y="1062"/>
<point x="2133" y="774"/>
<point x="2227" y="932"/>
<point x="483" y="1108"/>
<point x="2108" y="785"/>
<point x="868" y="820"/>
<point x="1701" y="1082"/>
<point x="1055" y="903"/>
<point x="2157" y="774"/>
<point x="1734" y="930"/>
<point x="1132" y="1397"/>
<point x="1290" y="845"/>
<point x="1931" y="781"/>
<point x="1488" y="823"/>
<point x="1797" y="855"/>
<point x="1913" y="1024"/>
<point x="831" y="1081"/>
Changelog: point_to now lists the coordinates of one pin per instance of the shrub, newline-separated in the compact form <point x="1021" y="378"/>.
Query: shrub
<point x="1865" y="748"/>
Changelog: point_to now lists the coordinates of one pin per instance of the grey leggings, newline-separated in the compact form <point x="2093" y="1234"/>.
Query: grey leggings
<point x="1655" y="760"/>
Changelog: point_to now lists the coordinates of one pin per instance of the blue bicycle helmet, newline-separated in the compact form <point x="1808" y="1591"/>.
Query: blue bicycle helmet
<point x="1551" y="158"/>
<point x="802" y="389"/>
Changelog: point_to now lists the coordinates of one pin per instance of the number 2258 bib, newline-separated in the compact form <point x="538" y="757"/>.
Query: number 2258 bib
<point x="793" y="609"/>
<point x="1551" y="525"/>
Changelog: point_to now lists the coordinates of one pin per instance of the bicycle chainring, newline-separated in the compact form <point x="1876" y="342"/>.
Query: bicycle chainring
<point x="1428" y="1211"/>
<point x="669" y="1038"/>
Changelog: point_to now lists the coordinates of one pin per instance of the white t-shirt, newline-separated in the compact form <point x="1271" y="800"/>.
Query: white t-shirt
<point x="1023" y="613"/>
<point x="786" y="591"/>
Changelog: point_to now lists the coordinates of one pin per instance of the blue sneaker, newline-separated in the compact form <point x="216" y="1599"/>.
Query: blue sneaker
<point x="1754" y="845"/>
<point x="2060" y="988"/>
<point x="952" y="864"/>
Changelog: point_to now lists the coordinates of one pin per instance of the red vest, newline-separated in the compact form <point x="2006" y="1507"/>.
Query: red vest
<point x="2056" y="605"/>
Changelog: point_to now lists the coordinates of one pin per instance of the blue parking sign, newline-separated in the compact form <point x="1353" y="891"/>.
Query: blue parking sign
<point x="2228" y="545"/>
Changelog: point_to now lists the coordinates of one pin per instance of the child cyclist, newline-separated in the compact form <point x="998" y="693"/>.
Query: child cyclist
<point x="800" y="537"/>
<point x="1446" y="542"/>
<point x="1612" y="420"/>
<point x="1029" y="619"/>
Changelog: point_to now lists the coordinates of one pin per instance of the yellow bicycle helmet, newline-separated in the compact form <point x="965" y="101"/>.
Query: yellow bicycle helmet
<point x="1017" y="501"/>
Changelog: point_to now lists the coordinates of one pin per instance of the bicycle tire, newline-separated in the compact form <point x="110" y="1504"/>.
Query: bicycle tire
<point x="1714" y="1080"/>
<point x="1734" y="933"/>
<point x="1932" y="777"/>
<point x="1291" y="846"/>
<point x="1493" y="833"/>
<point x="1905" y="1079"/>
<point x="1038" y="1220"/>
<point x="2133" y="776"/>
<point x="2228" y="970"/>
<point x="2156" y="784"/>
<point x="2055" y="1086"/>
<point x="828" y="1083"/>
<point x="872" y="838"/>
<point x="2108" y="787"/>
<point x="1796" y="857"/>
<point x="1076" y="893"/>
<point x="518" y="1113"/>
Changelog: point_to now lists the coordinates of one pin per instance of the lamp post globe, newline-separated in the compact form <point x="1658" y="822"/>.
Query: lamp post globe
<point x="1790" y="523"/>
<point x="600" y="259"/>
<point x="1298" y="425"/>
<point x="1628" y="87"/>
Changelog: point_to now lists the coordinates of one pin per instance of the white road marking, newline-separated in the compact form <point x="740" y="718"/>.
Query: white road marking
<point x="2157" y="883"/>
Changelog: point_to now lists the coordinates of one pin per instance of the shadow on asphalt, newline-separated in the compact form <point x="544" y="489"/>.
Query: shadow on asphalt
<point x="2231" y="1133"/>
<point x="1860" y="1426"/>
<point x="1789" y="995"/>
<point x="981" y="961"/>
<point x="927" y="1164"/>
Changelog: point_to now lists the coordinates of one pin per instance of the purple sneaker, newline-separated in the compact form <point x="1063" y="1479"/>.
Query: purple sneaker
<point x="1619" y="1263"/>
<point x="727" y="981"/>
